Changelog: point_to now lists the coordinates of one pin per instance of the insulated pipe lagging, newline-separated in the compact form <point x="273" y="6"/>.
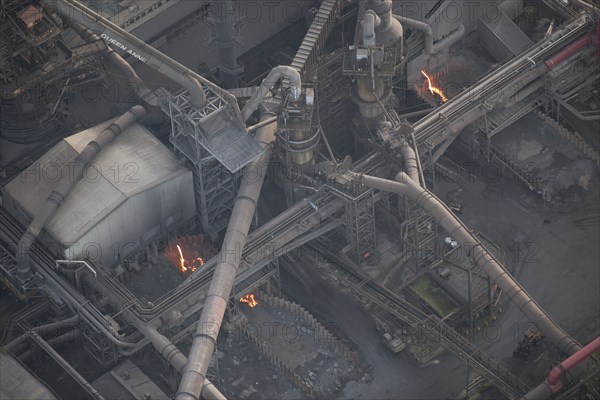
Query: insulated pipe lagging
<point x="164" y="346"/>
<point x="126" y="42"/>
<point x="140" y="88"/>
<point x="223" y="279"/>
<point x="480" y="256"/>
<point x="410" y="162"/>
<point x="67" y="182"/>
<point x="431" y="48"/>
<point x="175" y="357"/>
<point x="383" y="9"/>
<point x="277" y="73"/>
<point x="370" y="21"/>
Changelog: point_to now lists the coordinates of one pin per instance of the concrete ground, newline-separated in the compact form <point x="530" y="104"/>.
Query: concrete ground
<point x="552" y="249"/>
<point x="303" y="350"/>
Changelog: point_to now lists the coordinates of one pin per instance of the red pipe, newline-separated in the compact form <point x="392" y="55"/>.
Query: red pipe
<point x="573" y="48"/>
<point x="553" y="378"/>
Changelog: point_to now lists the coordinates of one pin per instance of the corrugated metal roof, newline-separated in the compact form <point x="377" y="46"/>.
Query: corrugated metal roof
<point x="16" y="382"/>
<point x="135" y="161"/>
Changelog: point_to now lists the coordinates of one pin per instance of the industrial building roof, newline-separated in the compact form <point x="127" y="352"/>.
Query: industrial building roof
<point x="134" y="162"/>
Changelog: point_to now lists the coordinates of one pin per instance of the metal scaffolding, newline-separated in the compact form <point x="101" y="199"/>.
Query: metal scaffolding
<point x="418" y="234"/>
<point x="98" y="345"/>
<point x="217" y="145"/>
<point x="360" y="225"/>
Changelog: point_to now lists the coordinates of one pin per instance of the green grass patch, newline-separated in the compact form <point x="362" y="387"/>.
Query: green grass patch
<point x="433" y="295"/>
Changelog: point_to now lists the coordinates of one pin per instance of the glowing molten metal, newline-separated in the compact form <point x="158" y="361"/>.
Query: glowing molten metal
<point x="249" y="299"/>
<point x="433" y="89"/>
<point x="181" y="260"/>
<point x="198" y="262"/>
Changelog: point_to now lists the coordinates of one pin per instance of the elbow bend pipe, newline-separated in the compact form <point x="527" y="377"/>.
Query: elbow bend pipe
<point x="410" y="162"/>
<point x="383" y="9"/>
<point x="197" y="95"/>
<point x="477" y="252"/>
<point x="281" y="71"/>
<point x="430" y="47"/>
<point x="175" y="357"/>
<point x="67" y="182"/>
<point x="420" y="26"/>
<point x="79" y="13"/>
<point x="369" y="22"/>
<point x="115" y="58"/>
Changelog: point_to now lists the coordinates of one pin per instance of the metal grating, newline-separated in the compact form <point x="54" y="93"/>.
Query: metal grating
<point x="215" y="128"/>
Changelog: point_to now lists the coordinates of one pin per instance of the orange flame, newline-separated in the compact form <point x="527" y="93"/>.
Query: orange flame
<point x="198" y="262"/>
<point x="181" y="260"/>
<point x="433" y="89"/>
<point x="249" y="299"/>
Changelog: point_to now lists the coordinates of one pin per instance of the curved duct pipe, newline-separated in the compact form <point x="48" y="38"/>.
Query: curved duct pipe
<point x="122" y="39"/>
<point x="369" y="22"/>
<point x="281" y="71"/>
<point x="175" y="357"/>
<point x="141" y="90"/>
<point x="431" y="48"/>
<point x="383" y="9"/>
<point x="553" y="383"/>
<point x="164" y="346"/>
<point x="46" y="329"/>
<point x="477" y="252"/>
<point x="410" y="162"/>
<point x="225" y="271"/>
<point x="67" y="182"/>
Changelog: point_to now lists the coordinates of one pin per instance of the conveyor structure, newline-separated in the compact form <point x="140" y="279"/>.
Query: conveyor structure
<point x="230" y="162"/>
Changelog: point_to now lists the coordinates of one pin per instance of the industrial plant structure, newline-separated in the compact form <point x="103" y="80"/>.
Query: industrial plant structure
<point x="300" y="199"/>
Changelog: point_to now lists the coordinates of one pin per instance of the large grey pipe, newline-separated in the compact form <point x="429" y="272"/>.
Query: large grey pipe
<point x="369" y="22"/>
<point x="480" y="256"/>
<point x="140" y="88"/>
<point x="175" y="357"/>
<point x="223" y="279"/>
<point x="410" y="162"/>
<point x="67" y="182"/>
<point x="431" y="48"/>
<point x="164" y="346"/>
<point x="281" y="71"/>
<point x="125" y="41"/>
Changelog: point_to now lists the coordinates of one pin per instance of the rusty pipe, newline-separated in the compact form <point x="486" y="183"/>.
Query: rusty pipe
<point x="553" y="382"/>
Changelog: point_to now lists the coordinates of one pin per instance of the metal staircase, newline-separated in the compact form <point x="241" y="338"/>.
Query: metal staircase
<point x="317" y="35"/>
